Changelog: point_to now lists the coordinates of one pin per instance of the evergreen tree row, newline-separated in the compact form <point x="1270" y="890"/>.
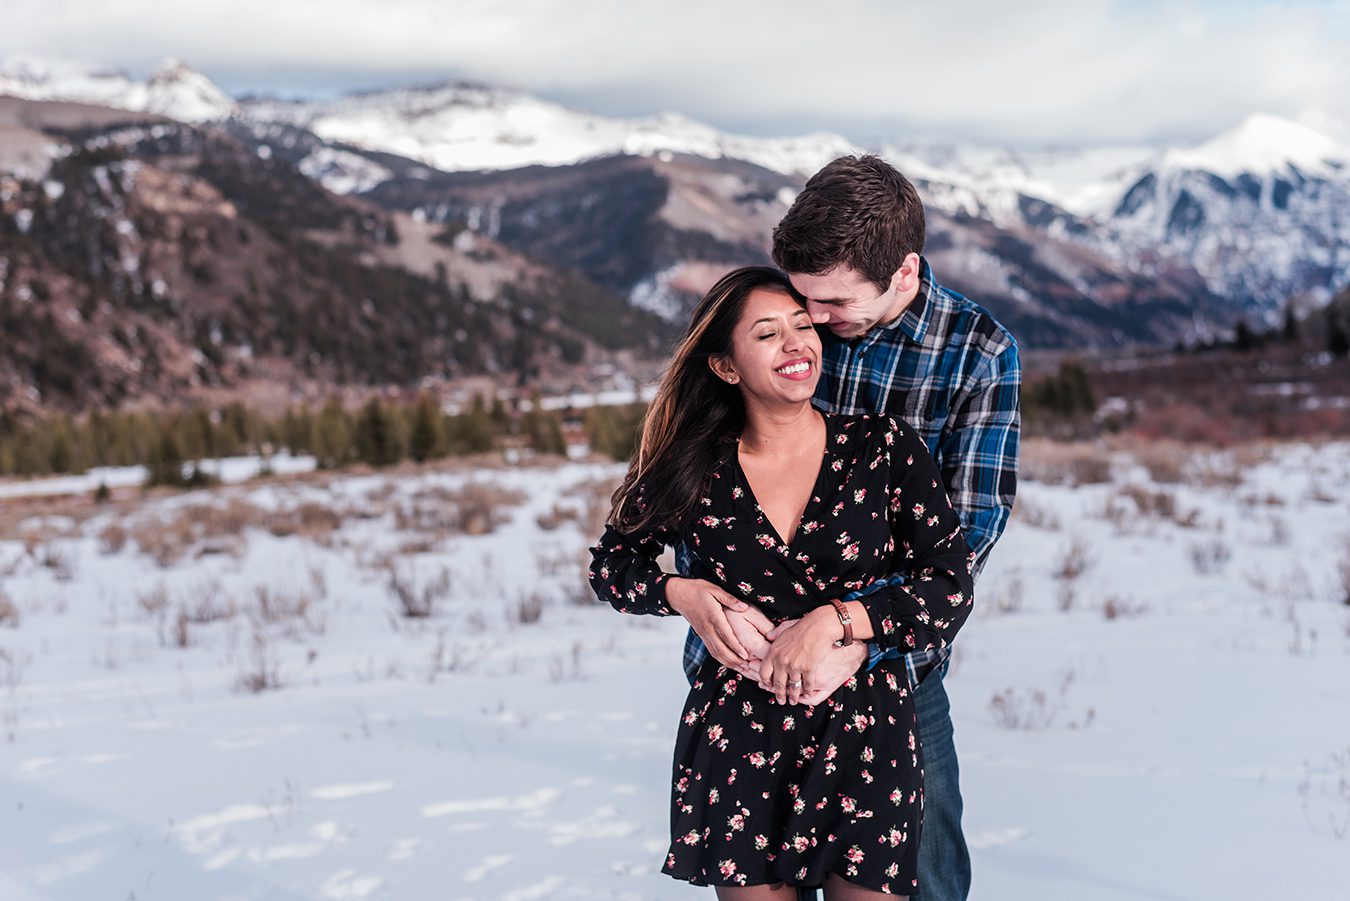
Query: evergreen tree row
<point x="379" y="433"/>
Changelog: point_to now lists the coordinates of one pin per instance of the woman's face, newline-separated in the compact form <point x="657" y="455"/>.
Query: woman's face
<point x="775" y="351"/>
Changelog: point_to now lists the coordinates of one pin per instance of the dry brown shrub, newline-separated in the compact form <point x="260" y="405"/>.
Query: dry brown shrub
<point x="309" y="519"/>
<point x="1035" y="515"/>
<point x="557" y="516"/>
<point x="293" y="611"/>
<point x="1075" y="560"/>
<point x="1160" y="504"/>
<point x="1116" y="607"/>
<point x="165" y="541"/>
<point x="207" y="603"/>
<point x="417" y="601"/>
<point x="9" y="613"/>
<point x="473" y="509"/>
<point x="1210" y="557"/>
<point x="1343" y="570"/>
<point x="155" y="601"/>
<point x="1215" y="471"/>
<point x="528" y="607"/>
<point x="1057" y="463"/>
<point x="263" y="672"/>
<point x="112" y="538"/>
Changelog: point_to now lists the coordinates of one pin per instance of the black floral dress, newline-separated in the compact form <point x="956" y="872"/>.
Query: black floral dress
<point x="767" y="793"/>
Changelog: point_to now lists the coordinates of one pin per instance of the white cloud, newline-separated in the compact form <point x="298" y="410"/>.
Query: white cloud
<point x="1058" y="70"/>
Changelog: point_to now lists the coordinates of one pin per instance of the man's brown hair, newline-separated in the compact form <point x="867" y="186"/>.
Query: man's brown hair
<point x="858" y="210"/>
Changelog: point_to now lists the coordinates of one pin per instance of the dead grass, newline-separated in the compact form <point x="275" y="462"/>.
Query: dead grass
<point x="263" y="672"/>
<point x="527" y="608"/>
<point x="473" y="509"/>
<point x="1035" y="515"/>
<point x="1073" y="463"/>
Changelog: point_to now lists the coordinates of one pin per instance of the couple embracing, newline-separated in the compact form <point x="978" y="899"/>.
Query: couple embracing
<point x="833" y="453"/>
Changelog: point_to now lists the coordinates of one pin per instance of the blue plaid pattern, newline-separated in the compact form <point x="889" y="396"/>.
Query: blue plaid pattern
<point x="952" y="372"/>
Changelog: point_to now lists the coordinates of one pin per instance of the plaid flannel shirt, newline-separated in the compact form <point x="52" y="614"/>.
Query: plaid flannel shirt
<point x="952" y="372"/>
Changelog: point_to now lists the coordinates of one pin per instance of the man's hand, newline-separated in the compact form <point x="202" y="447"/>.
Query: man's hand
<point x="822" y="680"/>
<point x="706" y="607"/>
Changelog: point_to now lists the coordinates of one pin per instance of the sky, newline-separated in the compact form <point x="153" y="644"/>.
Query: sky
<point x="1050" y="72"/>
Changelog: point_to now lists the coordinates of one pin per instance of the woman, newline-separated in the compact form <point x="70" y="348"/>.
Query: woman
<point x="789" y="510"/>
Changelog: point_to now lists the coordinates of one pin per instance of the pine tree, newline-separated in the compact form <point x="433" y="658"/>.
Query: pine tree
<point x="376" y="437"/>
<point x="331" y="439"/>
<point x="425" y="441"/>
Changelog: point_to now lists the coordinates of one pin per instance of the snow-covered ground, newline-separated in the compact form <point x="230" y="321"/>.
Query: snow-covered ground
<point x="1180" y="731"/>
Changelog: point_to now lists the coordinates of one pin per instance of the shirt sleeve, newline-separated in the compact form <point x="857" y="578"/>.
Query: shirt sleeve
<point x="978" y="449"/>
<point x="924" y="612"/>
<point x="624" y="571"/>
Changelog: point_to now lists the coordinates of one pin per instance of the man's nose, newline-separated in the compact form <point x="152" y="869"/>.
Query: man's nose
<point x="819" y="312"/>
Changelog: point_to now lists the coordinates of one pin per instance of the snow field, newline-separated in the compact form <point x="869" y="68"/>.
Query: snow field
<point x="1150" y="699"/>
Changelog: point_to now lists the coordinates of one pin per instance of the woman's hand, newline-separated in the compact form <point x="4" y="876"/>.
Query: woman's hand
<point x="797" y="650"/>
<point x="708" y="607"/>
<point x="751" y="628"/>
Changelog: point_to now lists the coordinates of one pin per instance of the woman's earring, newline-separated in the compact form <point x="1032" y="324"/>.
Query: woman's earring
<point x="733" y="379"/>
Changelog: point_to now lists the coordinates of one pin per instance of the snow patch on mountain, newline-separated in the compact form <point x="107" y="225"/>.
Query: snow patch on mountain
<point x="174" y="90"/>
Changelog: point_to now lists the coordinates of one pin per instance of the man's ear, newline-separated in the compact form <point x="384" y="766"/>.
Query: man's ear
<point x="906" y="278"/>
<point x="723" y="369"/>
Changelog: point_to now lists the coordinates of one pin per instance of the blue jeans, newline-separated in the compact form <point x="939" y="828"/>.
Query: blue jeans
<point x="944" y="860"/>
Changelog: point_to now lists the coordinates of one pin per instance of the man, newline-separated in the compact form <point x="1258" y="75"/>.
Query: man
<point x="895" y="342"/>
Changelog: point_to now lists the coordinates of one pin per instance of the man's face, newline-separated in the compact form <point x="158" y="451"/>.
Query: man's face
<point x="848" y="304"/>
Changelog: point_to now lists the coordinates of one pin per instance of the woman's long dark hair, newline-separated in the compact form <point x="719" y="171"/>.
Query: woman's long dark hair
<point x="694" y="412"/>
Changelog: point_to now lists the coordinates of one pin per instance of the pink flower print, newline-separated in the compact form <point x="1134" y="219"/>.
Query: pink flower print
<point x="765" y="540"/>
<point x="893" y="870"/>
<point x="761" y="842"/>
<point x="800" y="843"/>
<point x="757" y="759"/>
<point x="690" y="837"/>
<point x="727" y="867"/>
<point x="859" y="495"/>
<point x="860" y="721"/>
<point x="745" y="587"/>
<point x="841" y="438"/>
<point x="736" y="492"/>
<point x="731" y="778"/>
<point x="831" y="752"/>
<point x="913" y="742"/>
<point x="729" y="687"/>
<point x="713" y="795"/>
<point x="757" y="727"/>
<point x="909" y="461"/>
<point x="809" y="752"/>
<point x="737" y="822"/>
<point x="711" y="522"/>
<point x="801" y="874"/>
<point x="714" y="733"/>
<point x="765" y="599"/>
<point x="895" y="837"/>
<point x="956" y="600"/>
<point x="809" y="527"/>
<point x="932" y="520"/>
<point x="837" y="465"/>
<point x="837" y="509"/>
<point x="854" y="854"/>
<point x="690" y="718"/>
<point x="850" y="552"/>
<point x="747" y="708"/>
<point x="683" y="785"/>
<point x="867" y="754"/>
<point x="887" y="627"/>
<point x="849" y="805"/>
<point x="789" y="723"/>
<point x="798" y="806"/>
<point x="897" y="796"/>
<point x="918" y="511"/>
<point x="797" y="587"/>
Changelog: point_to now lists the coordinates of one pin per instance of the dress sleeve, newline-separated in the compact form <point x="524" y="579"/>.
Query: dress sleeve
<point x="926" y="611"/>
<point x="624" y="572"/>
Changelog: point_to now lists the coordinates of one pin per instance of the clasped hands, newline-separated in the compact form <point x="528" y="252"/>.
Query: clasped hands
<point x="797" y="660"/>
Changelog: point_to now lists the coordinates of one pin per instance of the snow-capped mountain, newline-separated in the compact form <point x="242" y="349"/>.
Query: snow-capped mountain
<point x="459" y="127"/>
<point x="174" y="90"/>
<point x="1261" y="211"/>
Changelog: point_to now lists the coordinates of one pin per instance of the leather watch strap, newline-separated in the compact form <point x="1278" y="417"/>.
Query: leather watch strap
<point x="845" y="620"/>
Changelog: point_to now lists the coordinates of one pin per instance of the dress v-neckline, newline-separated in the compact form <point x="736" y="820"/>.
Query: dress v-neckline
<point x="750" y="496"/>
